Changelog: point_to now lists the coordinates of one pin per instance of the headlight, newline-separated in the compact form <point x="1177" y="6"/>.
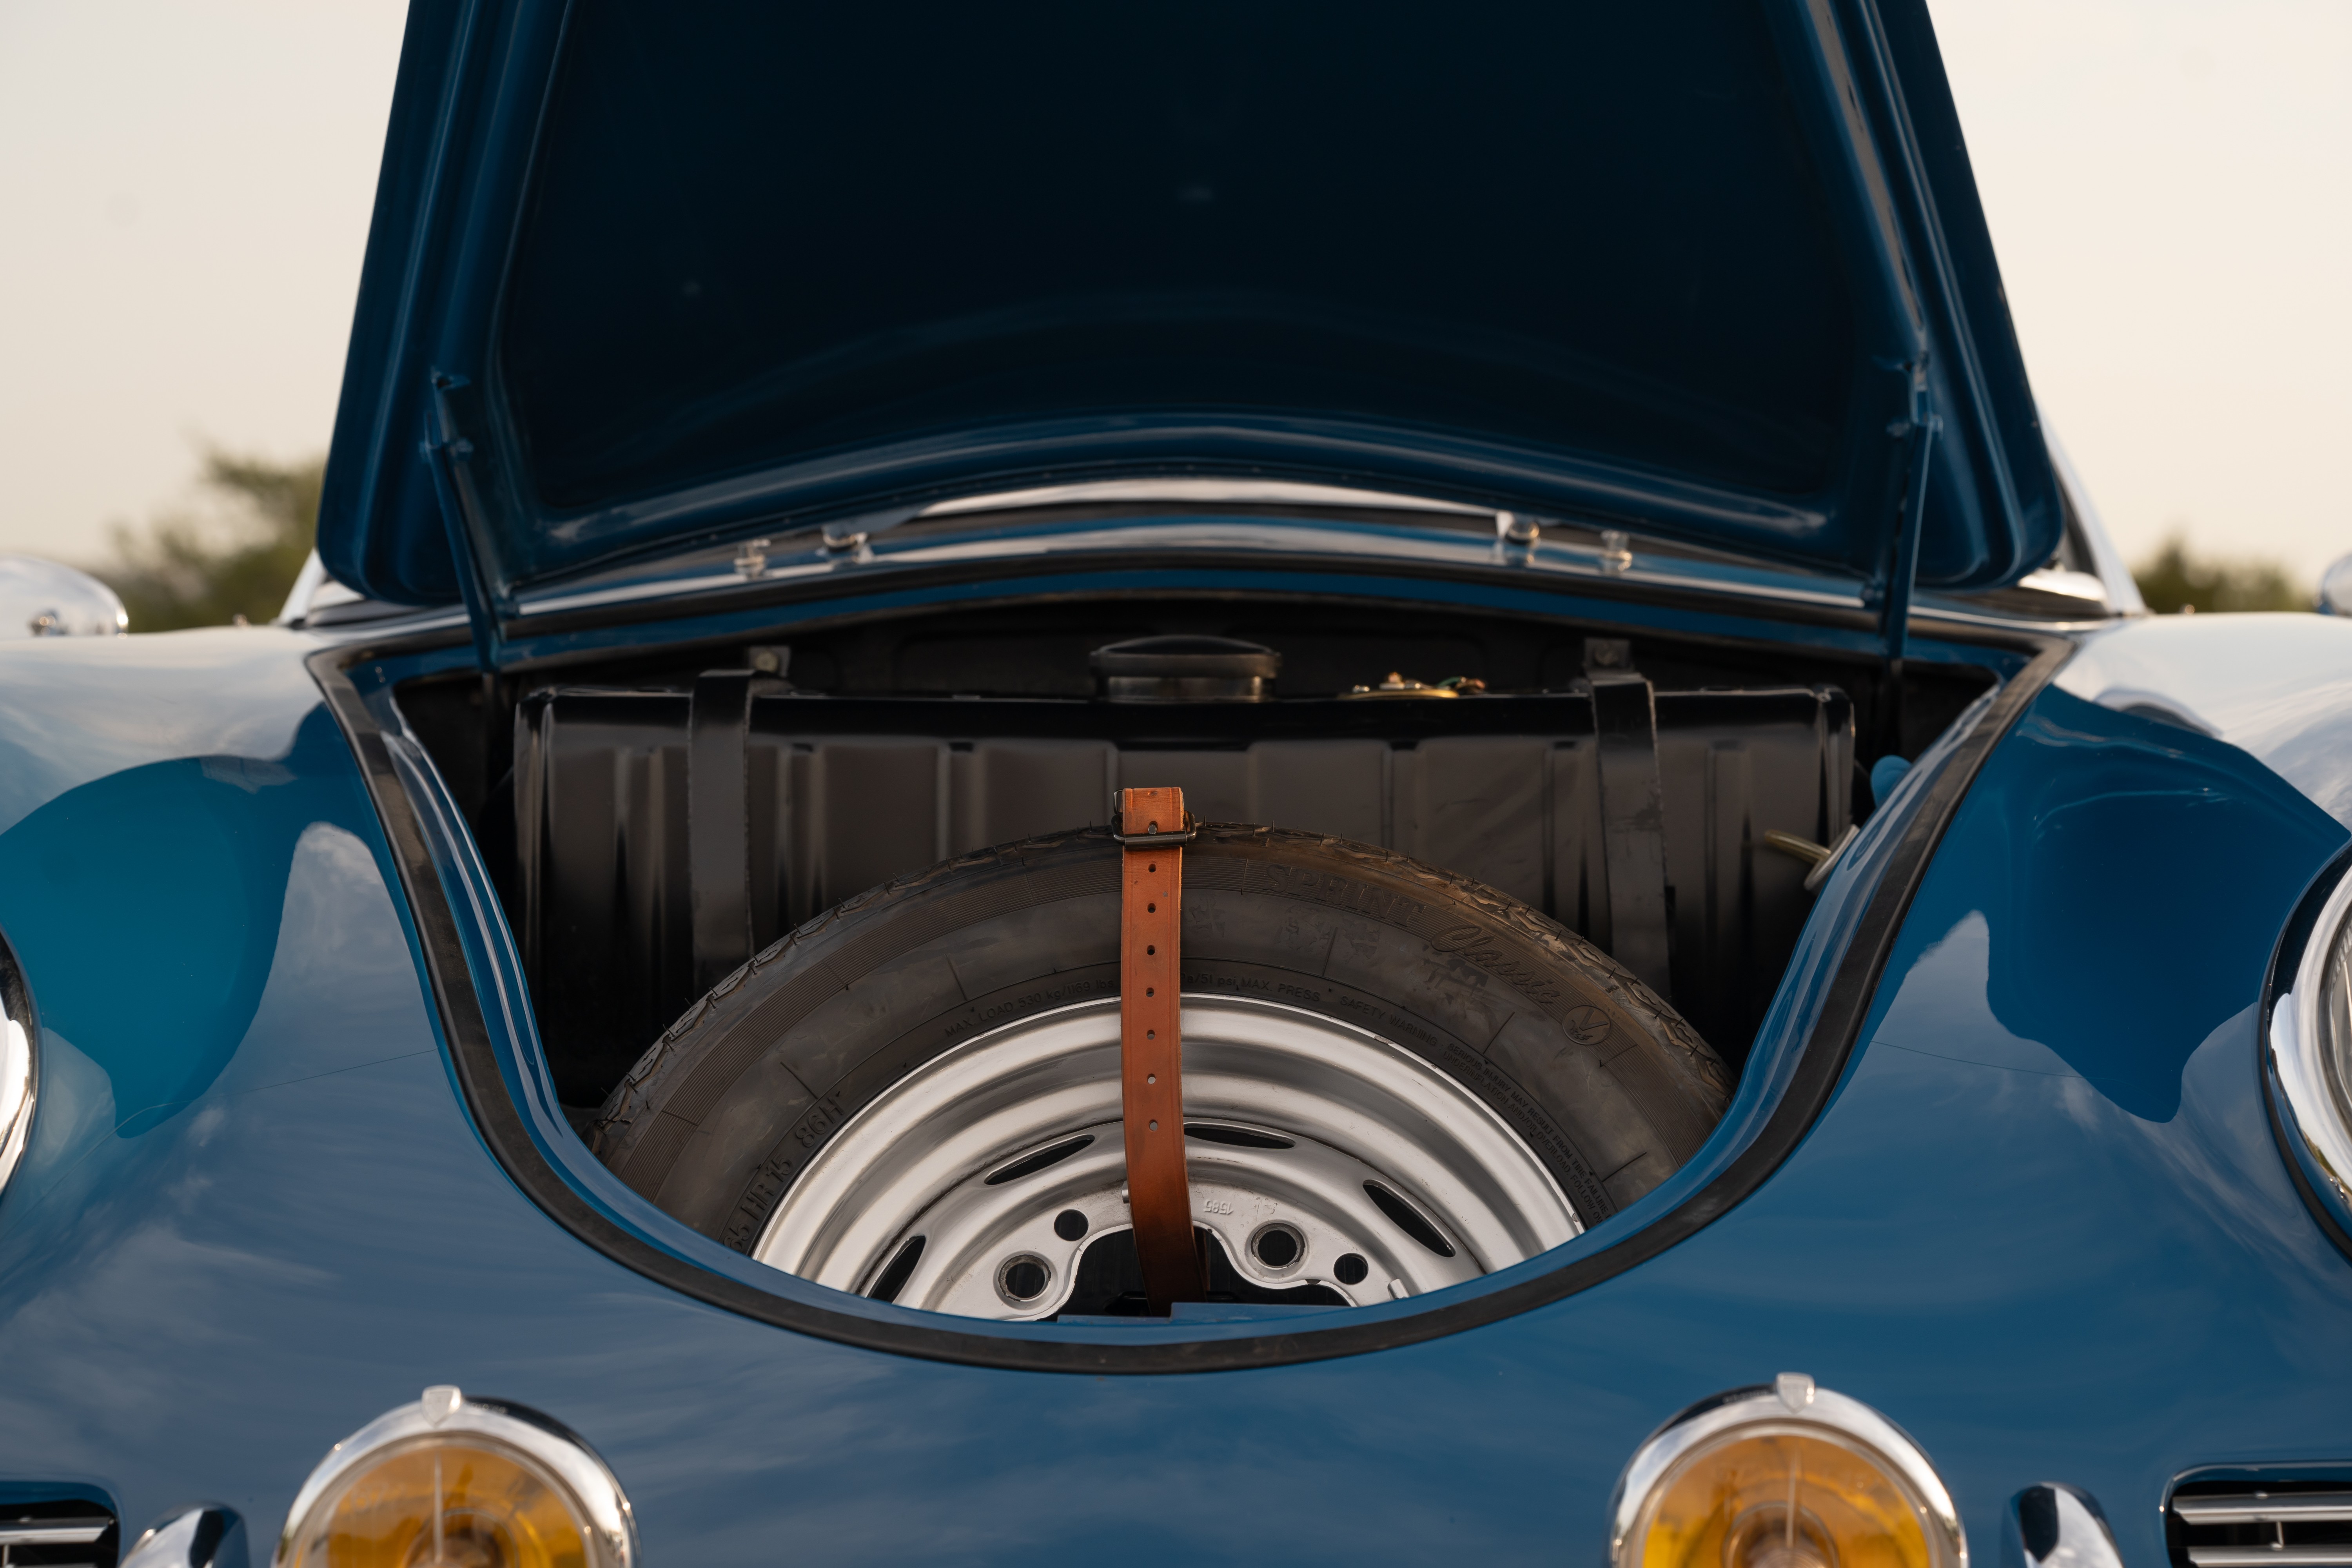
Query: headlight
<point x="462" y="1482"/>
<point x="2311" y="1058"/>
<point x="1785" y="1476"/>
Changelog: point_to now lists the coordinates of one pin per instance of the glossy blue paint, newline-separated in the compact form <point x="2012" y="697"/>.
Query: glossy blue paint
<point x="2044" y="1226"/>
<point x="198" y="852"/>
<point x="2278" y="687"/>
<point x="2052" y="1235"/>
<point x="588" y="331"/>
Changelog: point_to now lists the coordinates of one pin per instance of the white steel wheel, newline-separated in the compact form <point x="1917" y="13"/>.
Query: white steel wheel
<point x="1329" y="1166"/>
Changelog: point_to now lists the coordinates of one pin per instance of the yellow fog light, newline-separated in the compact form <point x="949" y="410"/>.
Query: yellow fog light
<point x="1785" y="1476"/>
<point x="449" y="1482"/>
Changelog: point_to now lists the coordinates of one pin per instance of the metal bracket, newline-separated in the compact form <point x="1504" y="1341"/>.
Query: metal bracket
<point x="1633" y="812"/>
<point x="718" y="821"/>
<point x="1190" y="831"/>
<point x="1820" y="858"/>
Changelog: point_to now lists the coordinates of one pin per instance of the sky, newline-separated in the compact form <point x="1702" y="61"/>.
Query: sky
<point x="2169" y="188"/>
<point x="185" y="185"/>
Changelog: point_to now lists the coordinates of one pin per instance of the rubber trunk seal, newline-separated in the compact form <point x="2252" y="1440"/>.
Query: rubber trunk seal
<point x="1845" y="1006"/>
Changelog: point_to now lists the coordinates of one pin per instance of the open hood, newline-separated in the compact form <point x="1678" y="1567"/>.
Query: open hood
<point x="645" y="274"/>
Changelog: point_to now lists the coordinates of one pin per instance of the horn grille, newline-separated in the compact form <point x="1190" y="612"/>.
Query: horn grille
<point x="2233" y="1525"/>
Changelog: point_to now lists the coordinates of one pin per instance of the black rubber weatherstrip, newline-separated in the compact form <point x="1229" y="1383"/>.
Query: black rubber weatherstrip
<point x="925" y="1335"/>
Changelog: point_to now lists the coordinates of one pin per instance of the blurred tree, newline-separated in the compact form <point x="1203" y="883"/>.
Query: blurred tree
<point x="239" y="558"/>
<point x="2173" y="579"/>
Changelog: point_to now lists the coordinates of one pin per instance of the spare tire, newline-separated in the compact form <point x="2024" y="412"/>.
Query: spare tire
<point x="1454" y="1081"/>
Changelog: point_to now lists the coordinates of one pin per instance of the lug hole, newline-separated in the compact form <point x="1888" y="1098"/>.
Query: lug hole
<point x="1277" y="1246"/>
<point x="1023" y="1278"/>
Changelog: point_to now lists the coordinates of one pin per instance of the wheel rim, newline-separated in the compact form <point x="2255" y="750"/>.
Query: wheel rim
<point x="1318" y="1154"/>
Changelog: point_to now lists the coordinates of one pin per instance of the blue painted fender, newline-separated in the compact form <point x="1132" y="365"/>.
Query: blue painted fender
<point x="2043" y="1223"/>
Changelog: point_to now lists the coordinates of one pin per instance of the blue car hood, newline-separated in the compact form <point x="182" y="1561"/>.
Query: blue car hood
<point x="644" y="275"/>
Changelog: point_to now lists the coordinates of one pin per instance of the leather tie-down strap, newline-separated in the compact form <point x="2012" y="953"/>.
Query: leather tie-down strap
<point x="1153" y="830"/>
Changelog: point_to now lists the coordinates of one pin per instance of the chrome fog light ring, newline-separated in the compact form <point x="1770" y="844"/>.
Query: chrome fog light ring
<point x="2310" y="1057"/>
<point x="1791" y="1407"/>
<point x="444" y="1418"/>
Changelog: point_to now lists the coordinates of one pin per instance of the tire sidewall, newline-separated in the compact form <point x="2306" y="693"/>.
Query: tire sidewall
<point x="1608" y="1087"/>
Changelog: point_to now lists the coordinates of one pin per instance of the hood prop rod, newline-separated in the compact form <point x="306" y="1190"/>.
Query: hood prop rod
<point x="449" y="456"/>
<point x="1153" y="828"/>
<point x="1918" y="432"/>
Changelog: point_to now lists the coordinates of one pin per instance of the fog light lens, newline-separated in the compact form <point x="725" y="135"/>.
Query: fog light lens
<point x="456" y="1483"/>
<point x="456" y="1503"/>
<point x="1786" y="1477"/>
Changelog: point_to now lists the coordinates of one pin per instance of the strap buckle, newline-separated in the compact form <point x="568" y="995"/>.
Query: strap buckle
<point x="1152" y="840"/>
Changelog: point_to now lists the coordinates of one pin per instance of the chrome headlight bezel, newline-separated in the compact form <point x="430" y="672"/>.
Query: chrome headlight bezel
<point x="20" y="1058"/>
<point x="2310" y="1060"/>
<point x="1791" y="1403"/>
<point x="443" y="1412"/>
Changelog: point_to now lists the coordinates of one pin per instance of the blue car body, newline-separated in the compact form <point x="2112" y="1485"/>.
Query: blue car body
<point x="2001" y="1163"/>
